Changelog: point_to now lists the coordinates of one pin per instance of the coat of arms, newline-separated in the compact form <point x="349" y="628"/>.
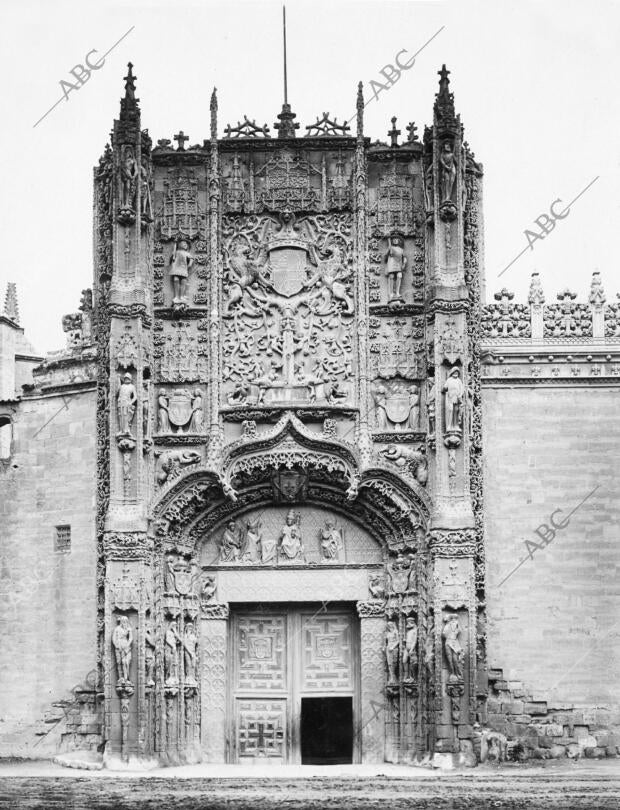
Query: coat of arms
<point x="180" y="407"/>
<point x="397" y="407"/>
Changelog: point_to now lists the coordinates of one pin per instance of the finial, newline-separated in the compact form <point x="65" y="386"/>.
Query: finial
<point x="444" y="81"/>
<point x="394" y="133"/>
<point x="130" y="83"/>
<point x="11" y="308"/>
<point x="536" y="295"/>
<point x="360" y="110"/>
<point x="180" y="138"/>
<point x="284" y="42"/>
<point x="411" y="132"/>
<point x="213" y="107"/>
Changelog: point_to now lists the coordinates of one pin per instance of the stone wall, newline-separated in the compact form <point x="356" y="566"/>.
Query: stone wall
<point x="48" y="616"/>
<point x="554" y="623"/>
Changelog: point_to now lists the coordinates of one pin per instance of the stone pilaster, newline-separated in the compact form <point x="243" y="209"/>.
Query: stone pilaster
<point x="213" y="642"/>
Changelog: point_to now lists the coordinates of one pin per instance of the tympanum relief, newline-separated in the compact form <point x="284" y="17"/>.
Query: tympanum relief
<point x="288" y="307"/>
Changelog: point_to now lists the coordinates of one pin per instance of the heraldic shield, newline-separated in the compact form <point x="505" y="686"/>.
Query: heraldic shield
<point x="180" y="407"/>
<point x="288" y="267"/>
<point x="397" y="407"/>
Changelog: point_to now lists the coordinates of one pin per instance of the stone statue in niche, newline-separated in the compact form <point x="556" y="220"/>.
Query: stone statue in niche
<point x="190" y="644"/>
<point x="149" y="654"/>
<point x="410" y="654"/>
<point x="126" y="400"/>
<point x="169" y="575"/>
<point x="413" y="419"/>
<point x="171" y="657"/>
<point x="452" y="646"/>
<point x="396" y="264"/>
<point x="230" y="544"/>
<point x="453" y="389"/>
<point x="430" y="406"/>
<point x="181" y="262"/>
<point x="251" y="551"/>
<point x="146" y="210"/>
<point x="122" y="640"/>
<point x="428" y="189"/>
<point x="163" y="422"/>
<point x="392" y="651"/>
<point x="447" y="164"/>
<point x="331" y="541"/>
<point x="290" y="546"/>
<point x="129" y="175"/>
<point x="196" y="421"/>
<point x="412" y="460"/>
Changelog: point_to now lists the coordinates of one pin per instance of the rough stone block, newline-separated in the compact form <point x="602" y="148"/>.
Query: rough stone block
<point x="538" y="708"/>
<point x="514" y="707"/>
<point x="554" y="730"/>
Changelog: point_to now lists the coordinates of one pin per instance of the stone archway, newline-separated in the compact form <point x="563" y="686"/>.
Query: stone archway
<point x="194" y="592"/>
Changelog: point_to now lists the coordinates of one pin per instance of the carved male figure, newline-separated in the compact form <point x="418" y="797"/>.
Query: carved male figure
<point x="149" y="654"/>
<point x="169" y="575"/>
<point x="453" y="404"/>
<point x="430" y="407"/>
<point x="251" y="552"/>
<point x="122" y="639"/>
<point x="126" y="404"/>
<point x="452" y="645"/>
<point x="171" y="662"/>
<point x="410" y="655"/>
<point x="392" y="649"/>
<point x="230" y="546"/>
<point x="190" y="642"/>
<point x="181" y="262"/>
<point x="145" y="190"/>
<point x="396" y="263"/>
<point x="129" y="174"/>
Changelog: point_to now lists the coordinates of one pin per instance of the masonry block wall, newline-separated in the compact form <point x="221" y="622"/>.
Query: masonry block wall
<point x="48" y="597"/>
<point x="554" y="623"/>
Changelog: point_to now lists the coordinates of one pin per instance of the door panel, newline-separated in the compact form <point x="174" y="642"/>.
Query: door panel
<point x="278" y="657"/>
<point x="327" y="654"/>
<point x="261" y="730"/>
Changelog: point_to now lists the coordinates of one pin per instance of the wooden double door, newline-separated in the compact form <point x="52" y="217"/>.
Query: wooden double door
<point x="293" y="685"/>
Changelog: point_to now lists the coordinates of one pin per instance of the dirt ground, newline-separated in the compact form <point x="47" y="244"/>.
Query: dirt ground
<point x="31" y="786"/>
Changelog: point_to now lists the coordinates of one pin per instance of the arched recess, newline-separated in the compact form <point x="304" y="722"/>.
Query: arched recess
<point x="190" y="692"/>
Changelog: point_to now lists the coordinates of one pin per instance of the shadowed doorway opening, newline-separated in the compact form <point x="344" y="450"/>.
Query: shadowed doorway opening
<point x="327" y="731"/>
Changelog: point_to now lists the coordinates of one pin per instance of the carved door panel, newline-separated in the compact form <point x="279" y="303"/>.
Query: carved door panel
<point x="277" y="658"/>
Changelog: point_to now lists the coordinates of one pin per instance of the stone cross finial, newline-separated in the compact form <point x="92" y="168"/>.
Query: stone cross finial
<point x="11" y="308"/>
<point x="180" y="138"/>
<point x="394" y="133"/>
<point x="130" y="83"/>
<point x="411" y="132"/>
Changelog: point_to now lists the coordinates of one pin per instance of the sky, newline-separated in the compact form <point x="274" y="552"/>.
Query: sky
<point x="534" y="82"/>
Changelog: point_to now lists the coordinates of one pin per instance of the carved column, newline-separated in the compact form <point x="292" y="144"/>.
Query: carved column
<point x="213" y="643"/>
